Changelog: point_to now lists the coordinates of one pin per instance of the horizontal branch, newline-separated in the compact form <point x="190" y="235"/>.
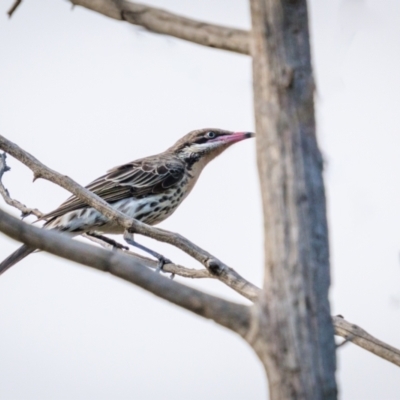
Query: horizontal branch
<point x="360" y="337"/>
<point x="216" y="267"/>
<point x="228" y="314"/>
<point x="159" y="21"/>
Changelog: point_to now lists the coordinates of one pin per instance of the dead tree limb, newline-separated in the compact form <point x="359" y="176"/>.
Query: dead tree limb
<point x="228" y="314"/>
<point x="131" y="269"/>
<point x="349" y="331"/>
<point x="163" y="22"/>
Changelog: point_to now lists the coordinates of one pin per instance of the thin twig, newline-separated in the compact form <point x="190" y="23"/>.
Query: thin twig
<point x="361" y="338"/>
<point x="15" y="5"/>
<point x="174" y="269"/>
<point x="160" y="21"/>
<point x="6" y="195"/>
<point x="216" y="267"/>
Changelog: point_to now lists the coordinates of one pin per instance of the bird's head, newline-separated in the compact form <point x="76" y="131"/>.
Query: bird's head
<point x="205" y="144"/>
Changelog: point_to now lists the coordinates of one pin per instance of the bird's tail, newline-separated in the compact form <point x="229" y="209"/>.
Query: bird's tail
<point x="15" y="257"/>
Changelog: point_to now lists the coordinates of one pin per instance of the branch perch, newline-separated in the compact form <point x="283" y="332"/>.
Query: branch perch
<point x="360" y="337"/>
<point x="163" y="22"/>
<point x="103" y="241"/>
<point x="216" y="267"/>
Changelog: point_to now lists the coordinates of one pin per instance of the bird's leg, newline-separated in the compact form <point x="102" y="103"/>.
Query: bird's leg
<point x="107" y="240"/>
<point x="128" y="237"/>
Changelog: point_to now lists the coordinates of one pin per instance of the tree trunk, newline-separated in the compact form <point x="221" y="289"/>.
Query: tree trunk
<point x="295" y="341"/>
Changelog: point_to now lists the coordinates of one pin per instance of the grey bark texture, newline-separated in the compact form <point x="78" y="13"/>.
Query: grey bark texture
<point x="296" y="338"/>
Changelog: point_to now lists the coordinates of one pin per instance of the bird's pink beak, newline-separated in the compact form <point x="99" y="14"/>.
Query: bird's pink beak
<point x="234" y="137"/>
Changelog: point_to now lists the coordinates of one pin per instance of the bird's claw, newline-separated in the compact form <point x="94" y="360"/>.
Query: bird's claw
<point x="161" y="262"/>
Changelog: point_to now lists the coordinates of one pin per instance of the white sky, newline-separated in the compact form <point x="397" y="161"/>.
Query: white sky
<point x="84" y="93"/>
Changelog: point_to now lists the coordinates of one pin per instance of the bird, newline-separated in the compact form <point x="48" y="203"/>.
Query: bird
<point x="149" y="189"/>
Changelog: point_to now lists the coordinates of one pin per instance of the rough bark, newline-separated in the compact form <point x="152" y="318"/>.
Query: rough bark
<point x="297" y="344"/>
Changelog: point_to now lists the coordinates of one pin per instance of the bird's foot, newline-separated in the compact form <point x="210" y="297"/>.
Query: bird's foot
<point x="161" y="262"/>
<point x="128" y="237"/>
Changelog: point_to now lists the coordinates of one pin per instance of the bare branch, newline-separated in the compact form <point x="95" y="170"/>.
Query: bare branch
<point x="15" y="5"/>
<point x="6" y="196"/>
<point x="229" y="276"/>
<point x="360" y="337"/>
<point x="228" y="314"/>
<point x="159" y="21"/>
<point x="174" y="269"/>
<point x="348" y="331"/>
<point x="216" y="267"/>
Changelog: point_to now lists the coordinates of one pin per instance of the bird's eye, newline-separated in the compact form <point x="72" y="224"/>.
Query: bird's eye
<point x="210" y="135"/>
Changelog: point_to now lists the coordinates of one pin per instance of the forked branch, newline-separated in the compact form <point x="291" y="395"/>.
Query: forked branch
<point x="25" y="211"/>
<point x="199" y="303"/>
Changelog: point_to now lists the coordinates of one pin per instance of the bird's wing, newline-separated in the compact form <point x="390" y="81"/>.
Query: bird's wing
<point x="138" y="179"/>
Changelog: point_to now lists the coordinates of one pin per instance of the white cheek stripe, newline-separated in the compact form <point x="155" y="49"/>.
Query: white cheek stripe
<point x="201" y="148"/>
